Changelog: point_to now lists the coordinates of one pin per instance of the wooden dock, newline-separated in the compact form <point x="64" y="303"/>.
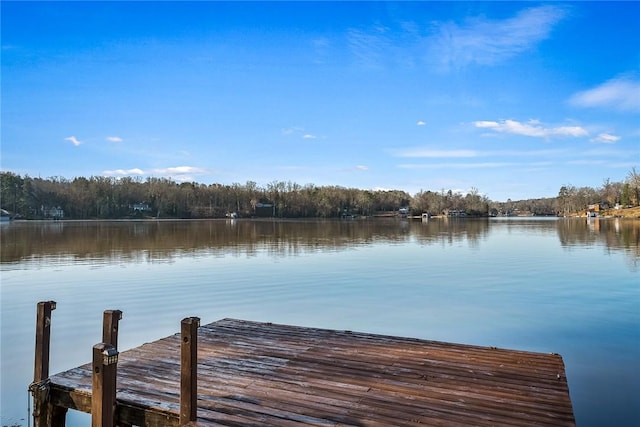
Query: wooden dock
<point x="263" y="374"/>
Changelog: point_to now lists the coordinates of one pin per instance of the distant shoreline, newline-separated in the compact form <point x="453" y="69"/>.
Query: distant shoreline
<point x="626" y="214"/>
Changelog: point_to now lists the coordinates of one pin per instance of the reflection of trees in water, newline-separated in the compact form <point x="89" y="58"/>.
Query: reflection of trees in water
<point x="161" y="241"/>
<point x="451" y="230"/>
<point x="613" y="233"/>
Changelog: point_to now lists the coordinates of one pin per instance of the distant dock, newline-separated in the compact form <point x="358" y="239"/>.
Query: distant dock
<point x="242" y="373"/>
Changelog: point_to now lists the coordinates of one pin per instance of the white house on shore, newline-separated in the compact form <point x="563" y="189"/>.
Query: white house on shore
<point x="52" y="212"/>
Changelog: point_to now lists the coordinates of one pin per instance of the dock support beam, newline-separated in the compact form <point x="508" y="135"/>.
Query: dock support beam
<point x="103" y="385"/>
<point x="44" y="413"/>
<point x="189" y="369"/>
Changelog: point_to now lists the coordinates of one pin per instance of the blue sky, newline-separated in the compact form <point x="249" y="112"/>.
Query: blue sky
<point x="515" y="99"/>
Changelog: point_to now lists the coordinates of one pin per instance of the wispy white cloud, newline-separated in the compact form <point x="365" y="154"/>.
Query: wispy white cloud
<point x="421" y="123"/>
<point x="114" y="139"/>
<point x="586" y="162"/>
<point x="436" y="154"/>
<point x="486" y="42"/>
<point x="453" y="45"/>
<point x="530" y="160"/>
<point x="298" y="132"/>
<point x="428" y="153"/>
<point x="532" y="128"/>
<point x="72" y="139"/>
<point x="602" y="157"/>
<point x="123" y="172"/>
<point x="370" y="48"/>
<point x="480" y="165"/>
<point x="178" y="173"/>
<point x="350" y="169"/>
<point x="606" y="138"/>
<point x="292" y="130"/>
<point x="604" y="163"/>
<point x="621" y="93"/>
<point x="180" y="170"/>
<point x="609" y="151"/>
<point x="321" y="48"/>
<point x="321" y="42"/>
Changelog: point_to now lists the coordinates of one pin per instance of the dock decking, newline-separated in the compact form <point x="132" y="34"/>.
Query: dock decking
<point x="263" y="374"/>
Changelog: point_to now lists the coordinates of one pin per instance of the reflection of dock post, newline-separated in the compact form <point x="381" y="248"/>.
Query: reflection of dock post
<point x="103" y="385"/>
<point x="44" y="413"/>
<point x="189" y="369"/>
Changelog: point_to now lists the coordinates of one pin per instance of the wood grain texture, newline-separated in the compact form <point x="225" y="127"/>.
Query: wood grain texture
<point x="261" y="374"/>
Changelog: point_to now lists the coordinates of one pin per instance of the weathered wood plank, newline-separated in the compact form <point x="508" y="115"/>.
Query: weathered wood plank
<point x="259" y="374"/>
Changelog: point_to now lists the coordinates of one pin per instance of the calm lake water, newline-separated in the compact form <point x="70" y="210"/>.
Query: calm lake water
<point x="548" y="285"/>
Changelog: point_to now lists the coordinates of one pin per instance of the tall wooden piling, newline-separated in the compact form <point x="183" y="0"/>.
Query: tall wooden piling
<point x="110" y="328"/>
<point x="44" y="413"/>
<point x="103" y="385"/>
<point x="43" y="340"/>
<point x="189" y="369"/>
<point x="110" y="321"/>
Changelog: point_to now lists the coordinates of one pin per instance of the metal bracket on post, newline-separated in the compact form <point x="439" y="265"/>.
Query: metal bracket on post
<point x="189" y="369"/>
<point x="40" y="393"/>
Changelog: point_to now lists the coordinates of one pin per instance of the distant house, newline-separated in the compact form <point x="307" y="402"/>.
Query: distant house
<point x="140" y="207"/>
<point x="456" y="212"/>
<point x="4" y="215"/>
<point x="403" y="212"/>
<point x="264" y="209"/>
<point x="52" y="212"/>
<point x="347" y="214"/>
<point x="595" y="208"/>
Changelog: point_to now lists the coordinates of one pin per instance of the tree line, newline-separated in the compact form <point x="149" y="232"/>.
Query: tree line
<point x="100" y="197"/>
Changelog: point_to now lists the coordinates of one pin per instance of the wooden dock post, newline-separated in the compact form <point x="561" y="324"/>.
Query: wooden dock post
<point x="44" y="413"/>
<point x="110" y="328"/>
<point x="103" y="385"/>
<point x="43" y="340"/>
<point x="189" y="369"/>
<point x="110" y="321"/>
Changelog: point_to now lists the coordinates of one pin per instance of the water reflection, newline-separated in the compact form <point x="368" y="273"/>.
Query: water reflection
<point x="99" y="242"/>
<point x="613" y="234"/>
